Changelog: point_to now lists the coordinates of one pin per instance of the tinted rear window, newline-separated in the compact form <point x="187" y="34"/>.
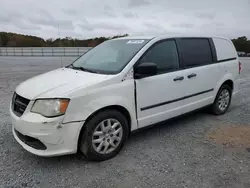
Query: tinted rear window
<point x="195" y="52"/>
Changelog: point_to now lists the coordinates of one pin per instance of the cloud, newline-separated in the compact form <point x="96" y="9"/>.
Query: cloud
<point x="69" y="11"/>
<point x="153" y="25"/>
<point x="62" y="24"/>
<point x="108" y="14"/>
<point x="26" y="26"/>
<point x="110" y="26"/>
<point x="219" y="24"/>
<point x="86" y="19"/>
<point x="204" y="15"/>
<point x="129" y="14"/>
<point x="7" y="18"/>
<point x="183" y="25"/>
<point x="85" y="27"/>
<point x="44" y="18"/>
<point x="108" y="8"/>
<point x="136" y="3"/>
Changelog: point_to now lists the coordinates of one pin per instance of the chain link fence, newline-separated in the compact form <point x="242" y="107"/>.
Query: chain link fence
<point x="44" y="51"/>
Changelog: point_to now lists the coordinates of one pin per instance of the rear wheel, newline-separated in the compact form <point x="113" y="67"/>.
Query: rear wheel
<point x="222" y="100"/>
<point x="104" y="135"/>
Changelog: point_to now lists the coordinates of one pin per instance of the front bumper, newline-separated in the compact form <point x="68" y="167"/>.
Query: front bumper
<point x="58" y="138"/>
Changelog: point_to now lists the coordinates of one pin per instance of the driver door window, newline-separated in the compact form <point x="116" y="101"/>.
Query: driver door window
<point x="164" y="55"/>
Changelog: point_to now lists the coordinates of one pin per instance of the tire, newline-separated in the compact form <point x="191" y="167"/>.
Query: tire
<point x="216" y="108"/>
<point x="101" y="122"/>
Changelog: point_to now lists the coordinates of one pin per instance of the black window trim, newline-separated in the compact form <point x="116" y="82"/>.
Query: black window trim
<point x="228" y="59"/>
<point x="212" y="50"/>
<point x="157" y="42"/>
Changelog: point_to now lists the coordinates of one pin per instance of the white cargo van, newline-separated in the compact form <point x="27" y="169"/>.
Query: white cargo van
<point x="119" y="86"/>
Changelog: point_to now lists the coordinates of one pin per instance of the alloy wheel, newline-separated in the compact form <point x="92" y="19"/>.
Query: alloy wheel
<point x="107" y="136"/>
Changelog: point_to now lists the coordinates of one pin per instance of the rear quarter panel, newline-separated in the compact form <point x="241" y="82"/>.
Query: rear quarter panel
<point x="225" y="51"/>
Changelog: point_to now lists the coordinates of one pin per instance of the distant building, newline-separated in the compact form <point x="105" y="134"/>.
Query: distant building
<point x="241" y="53"/>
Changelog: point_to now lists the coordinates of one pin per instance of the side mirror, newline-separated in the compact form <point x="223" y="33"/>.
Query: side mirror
<point x="145" y="69"/>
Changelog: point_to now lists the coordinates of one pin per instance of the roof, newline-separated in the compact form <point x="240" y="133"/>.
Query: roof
<point x="138" y="37"/>
<point x="149" y="37"/>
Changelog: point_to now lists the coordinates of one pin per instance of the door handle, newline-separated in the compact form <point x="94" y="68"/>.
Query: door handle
<point x="178" y="78"/>
<point x="192" y="75"/>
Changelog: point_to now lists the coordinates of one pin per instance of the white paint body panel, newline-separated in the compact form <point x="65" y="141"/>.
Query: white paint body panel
<point x="207" y="77"/>
<point x="56" y="83"/>
<point x="229" y="69"/>
<point x="58" y="141"/>
<point x="155" y="90"/>
<point x="89" y="92"/>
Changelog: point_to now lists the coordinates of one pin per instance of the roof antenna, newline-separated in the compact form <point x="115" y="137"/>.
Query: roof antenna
<point x="59" y="44"/>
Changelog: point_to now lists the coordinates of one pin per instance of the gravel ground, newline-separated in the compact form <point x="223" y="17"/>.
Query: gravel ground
<point x="176" y="153"/>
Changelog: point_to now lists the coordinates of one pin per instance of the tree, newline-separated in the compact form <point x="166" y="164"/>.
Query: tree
<point x="19" y="40"/>
<point x="4" y="38"/>
<point x="242" y="44"/>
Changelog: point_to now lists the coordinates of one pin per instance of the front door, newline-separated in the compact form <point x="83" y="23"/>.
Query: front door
<point x="160" y="97"/>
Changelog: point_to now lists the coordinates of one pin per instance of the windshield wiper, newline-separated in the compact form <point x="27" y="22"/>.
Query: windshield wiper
<point x="82" y="69"/>
<point x="70" y="66"/>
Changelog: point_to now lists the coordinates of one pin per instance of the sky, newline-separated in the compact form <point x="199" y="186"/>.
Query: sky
<point x="94" y="18"/>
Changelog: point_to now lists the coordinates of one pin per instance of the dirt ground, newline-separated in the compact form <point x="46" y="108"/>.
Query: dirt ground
<point x="232" y="137"/>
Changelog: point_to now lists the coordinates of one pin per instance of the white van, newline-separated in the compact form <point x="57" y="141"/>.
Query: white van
<point x="119" y="86"/>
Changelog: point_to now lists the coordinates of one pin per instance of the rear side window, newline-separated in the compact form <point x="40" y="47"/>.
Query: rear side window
<point x="195" y="52"/>
<point x="224" y="49"/>
<point x="164" y="55"/>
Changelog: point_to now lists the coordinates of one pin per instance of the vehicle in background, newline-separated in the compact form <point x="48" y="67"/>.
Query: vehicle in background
<point x="241" y="54"/>
<point x="92" y="105"/>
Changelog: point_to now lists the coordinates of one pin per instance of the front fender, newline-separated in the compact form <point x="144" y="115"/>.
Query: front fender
<point x="122" y="94"/>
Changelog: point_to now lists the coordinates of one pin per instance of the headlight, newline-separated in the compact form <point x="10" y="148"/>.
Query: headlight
<point x="50" y="107"/>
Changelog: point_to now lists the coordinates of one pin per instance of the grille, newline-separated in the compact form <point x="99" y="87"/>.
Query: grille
<point x="19" y="104"/>
<point x="30" y="141"/>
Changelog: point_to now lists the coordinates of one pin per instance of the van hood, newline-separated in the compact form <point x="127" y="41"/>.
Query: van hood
<point x="57" y="82"/>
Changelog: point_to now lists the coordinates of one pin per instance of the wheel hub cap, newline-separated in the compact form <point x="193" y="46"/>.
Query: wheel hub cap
<point x="224" y="99"/>
<point x="107" y="136"/>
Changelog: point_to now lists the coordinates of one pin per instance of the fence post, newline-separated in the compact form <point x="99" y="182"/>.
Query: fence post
<point x="31" y="51"/>
<point x="22" y="51"/>
<point x="6" y="53"/>
<point x="64" y="51"/>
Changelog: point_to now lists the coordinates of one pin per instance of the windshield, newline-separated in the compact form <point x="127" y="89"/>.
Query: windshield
<point x="109" y="57"/>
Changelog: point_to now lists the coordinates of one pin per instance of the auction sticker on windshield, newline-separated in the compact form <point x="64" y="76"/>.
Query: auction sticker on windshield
<point x="135" y="41"/>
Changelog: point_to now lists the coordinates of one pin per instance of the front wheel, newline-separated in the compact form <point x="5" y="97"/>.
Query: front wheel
<point x="222" y="100"/>
<point x="104" y="135"/>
